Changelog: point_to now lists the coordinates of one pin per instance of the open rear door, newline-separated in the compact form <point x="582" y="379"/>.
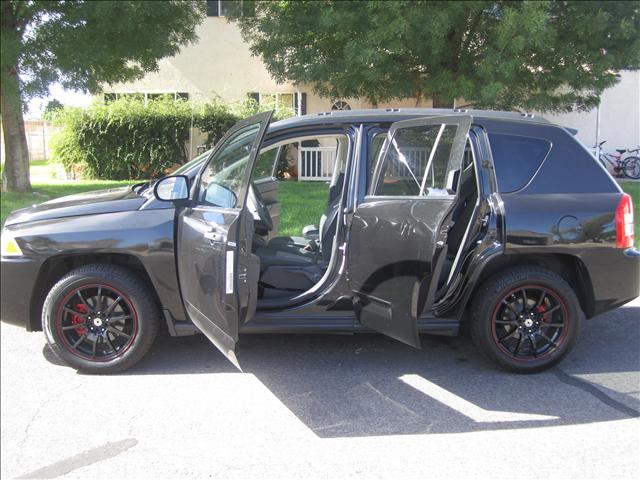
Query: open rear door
<point x="218" y="273"/>
<point x="397" y="239"/>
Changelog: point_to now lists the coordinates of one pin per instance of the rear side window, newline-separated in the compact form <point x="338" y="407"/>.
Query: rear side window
<point x="516" y="159"/>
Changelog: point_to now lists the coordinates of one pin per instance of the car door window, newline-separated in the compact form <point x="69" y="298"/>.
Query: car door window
<point x="416" y="162"/>
<point x="222" y="179"/>
<point x="265" y="163"/>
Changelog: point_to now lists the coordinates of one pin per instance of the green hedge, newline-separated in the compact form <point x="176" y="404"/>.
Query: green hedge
<point x="128" y="139"/>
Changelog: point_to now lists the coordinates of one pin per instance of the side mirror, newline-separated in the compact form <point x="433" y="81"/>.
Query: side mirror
<point x="174" y="188"/>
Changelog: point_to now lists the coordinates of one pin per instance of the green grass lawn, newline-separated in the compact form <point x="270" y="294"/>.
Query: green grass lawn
<point x="303" y="203"/>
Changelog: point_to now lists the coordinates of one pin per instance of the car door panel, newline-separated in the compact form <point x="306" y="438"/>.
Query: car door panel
<point x="406" y="240"/>
<point x="218" y="273"/>
<point x="397" y="244"/>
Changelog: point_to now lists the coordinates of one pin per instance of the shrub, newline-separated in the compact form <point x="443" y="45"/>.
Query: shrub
<point x="122" y="140"/>
<point x="214" y="119"/>
<point x="131" y="139"/>
<point x="65" y="146"/>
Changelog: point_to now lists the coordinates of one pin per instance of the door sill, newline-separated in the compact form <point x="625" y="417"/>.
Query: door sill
<point x="343" y="324"/>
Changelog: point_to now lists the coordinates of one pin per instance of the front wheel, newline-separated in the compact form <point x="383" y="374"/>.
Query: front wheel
<point x="631" y="167"/>
<point x="525" y="319"/>
<point x="100" y="319"/>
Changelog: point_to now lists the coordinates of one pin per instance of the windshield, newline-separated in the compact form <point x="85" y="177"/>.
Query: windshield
<point x="148" y="192"/>
<point x="190" y="164"/>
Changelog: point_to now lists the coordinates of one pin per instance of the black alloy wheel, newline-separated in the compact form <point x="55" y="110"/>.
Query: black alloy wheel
<point x="525" y="319"/>
<point x="100" y="318"/>
<point x="530" y="322"/>
<point x="97" y="322"/>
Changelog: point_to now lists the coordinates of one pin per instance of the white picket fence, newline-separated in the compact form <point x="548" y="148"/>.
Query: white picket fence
<point x="316" y="163"/>
<point x="417" y="159"/>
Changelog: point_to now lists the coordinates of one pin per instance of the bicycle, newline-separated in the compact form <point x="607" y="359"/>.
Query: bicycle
<point x="622" y="167"/>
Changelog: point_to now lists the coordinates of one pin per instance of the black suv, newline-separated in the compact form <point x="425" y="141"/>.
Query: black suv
<point x="434" y="219"/>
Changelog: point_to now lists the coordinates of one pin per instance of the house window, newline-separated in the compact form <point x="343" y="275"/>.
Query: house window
<point x="276" y="101"/>
<point x="284" y="100"/>
<point x="144" y="96"/>
<point x="224" y="8"/>
<point x="297" y="102"/>
<point x="340" y="105"/>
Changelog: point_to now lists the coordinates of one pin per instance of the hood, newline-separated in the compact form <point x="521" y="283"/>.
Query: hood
<point x="89" y="203"/>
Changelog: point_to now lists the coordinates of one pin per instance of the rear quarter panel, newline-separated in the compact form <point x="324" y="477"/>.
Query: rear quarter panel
<point x="568" y="208"/>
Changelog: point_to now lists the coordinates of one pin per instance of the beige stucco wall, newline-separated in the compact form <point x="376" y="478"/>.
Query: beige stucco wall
<point x="619" y="116"/>
<point x="219" y="65"/>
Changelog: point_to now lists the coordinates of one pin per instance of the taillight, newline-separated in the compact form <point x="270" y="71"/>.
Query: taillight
<point x="624" y="222"/>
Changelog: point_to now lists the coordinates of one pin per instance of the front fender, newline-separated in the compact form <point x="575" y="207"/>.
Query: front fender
<point x="147" y="235"/>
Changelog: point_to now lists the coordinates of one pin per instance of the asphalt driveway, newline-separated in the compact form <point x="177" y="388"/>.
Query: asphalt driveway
<point x="326" y="407"/>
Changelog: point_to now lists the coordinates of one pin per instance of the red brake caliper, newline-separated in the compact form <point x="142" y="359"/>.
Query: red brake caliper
<point x="541" y="309"/>
<point x="77" y="319"/>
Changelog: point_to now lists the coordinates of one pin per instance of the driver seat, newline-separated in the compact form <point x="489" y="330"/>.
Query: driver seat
<point x="297" y="263"/>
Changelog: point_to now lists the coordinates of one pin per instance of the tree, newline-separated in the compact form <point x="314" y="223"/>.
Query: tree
<point x="81" y="45"/>
<point x="547" y="55"/>
<point x="51" y="108"/>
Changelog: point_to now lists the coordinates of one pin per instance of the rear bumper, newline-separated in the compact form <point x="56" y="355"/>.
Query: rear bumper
<point x="17" y="280"/>
<point x="615" y="278"/>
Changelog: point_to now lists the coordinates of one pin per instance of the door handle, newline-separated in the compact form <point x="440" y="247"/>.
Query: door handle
<point x="213" y="236"/>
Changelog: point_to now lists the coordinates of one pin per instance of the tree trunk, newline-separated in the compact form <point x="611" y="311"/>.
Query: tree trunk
<point x="439" y="101"/>
<point x="15" y="177"/>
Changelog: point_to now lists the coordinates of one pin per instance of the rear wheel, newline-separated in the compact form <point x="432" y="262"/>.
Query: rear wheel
<point x="631" y="167"/>
<point x="525" y="319"/>
<point x="100" y="319"/>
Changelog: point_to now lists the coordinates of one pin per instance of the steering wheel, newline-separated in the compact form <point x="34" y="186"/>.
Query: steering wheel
<point x="256" y="200"/>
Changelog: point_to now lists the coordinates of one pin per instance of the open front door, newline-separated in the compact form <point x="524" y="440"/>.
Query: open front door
<point x="397" y="240"/>
<point x="218" y="273"/>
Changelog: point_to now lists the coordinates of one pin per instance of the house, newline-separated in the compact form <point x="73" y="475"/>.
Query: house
<point x="220" y="66"/>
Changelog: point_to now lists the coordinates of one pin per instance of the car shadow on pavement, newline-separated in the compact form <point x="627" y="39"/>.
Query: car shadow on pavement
<point x="361" y="385"/>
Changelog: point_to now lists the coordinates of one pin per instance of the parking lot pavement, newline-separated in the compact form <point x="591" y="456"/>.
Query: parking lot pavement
<point x="326" y="406"/>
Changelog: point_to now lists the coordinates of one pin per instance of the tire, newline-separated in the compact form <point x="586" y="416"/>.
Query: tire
<point x="100" y="336"/>
<point x="511" y="336"/>
<point x="631" y="167"/>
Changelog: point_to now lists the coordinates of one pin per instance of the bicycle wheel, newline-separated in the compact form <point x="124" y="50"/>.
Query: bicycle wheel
<point x="631" y="167"/>
<point x="603" y="163"/>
